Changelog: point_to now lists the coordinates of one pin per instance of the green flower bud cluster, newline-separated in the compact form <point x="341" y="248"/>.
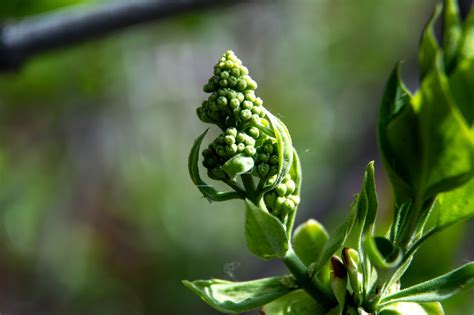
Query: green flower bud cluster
<point x="228" y="144"/>
<point x="266" y="159"/>
<point x="282" y="200"/>
<point x="232" y="100"/>
<point x="233" y="106"/>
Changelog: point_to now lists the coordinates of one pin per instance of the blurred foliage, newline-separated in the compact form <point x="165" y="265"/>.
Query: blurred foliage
<point x="98" y="213"/>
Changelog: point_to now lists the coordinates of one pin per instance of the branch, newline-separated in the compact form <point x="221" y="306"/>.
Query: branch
<point x="26" y="38"/>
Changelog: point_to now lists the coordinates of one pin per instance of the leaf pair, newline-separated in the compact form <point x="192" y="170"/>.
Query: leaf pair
<point x="425" y="140"/>
<point x="425" y="143"/>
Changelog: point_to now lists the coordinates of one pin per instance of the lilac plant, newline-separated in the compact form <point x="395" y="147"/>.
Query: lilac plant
<point x="426" y="140"/>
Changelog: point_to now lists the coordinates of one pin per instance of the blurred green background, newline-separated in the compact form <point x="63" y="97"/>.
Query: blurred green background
<point x="98" y="214"/>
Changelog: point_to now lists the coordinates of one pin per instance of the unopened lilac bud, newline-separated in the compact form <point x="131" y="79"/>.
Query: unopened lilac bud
<point x="281" y="189"/>
<point x="254" y="132"/>
<point x="247" y="105"/>
<point x="234" y="103"/>
<point x="338" y="280"/>
<point x="245" y="114"/>
<point x="249" y="150"/>
<point x="274" y="160"/>
<point x="241" y="85"/>
<point x="224" y="75"/>
<point x="231" y="131"/>
<point x="290" y="187"/>
<point x="263" y="169"/>
<point x="235" y="72"/>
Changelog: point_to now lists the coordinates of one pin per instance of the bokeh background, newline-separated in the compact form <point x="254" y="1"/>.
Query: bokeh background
<point x="98" y="214"/>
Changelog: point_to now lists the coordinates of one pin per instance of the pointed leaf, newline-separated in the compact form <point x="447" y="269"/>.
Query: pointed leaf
<point x="265" y="234"/>
<point x="382" y="253"/>
<point x="237" y="165"/>
<point x="461" y="83"/>
<point x="309" y="240"/>
<point x="207" y="190"/>
<point x="395" y="135"/>
<point x="369" y="202"/>
<point x="295" y="303"/>
<point x="405" y="308"/>
<point x="452" y="33"/>
<point x="236" y="297"/>
<point x="467" y="46"/>
<point x="446" y="143"/>
<point x="285" y="149"/>
<point x="437" y="289"/>
<point x="337" y="240"/>
<point x="429" y="45"/>
<point x="455" y="206"/>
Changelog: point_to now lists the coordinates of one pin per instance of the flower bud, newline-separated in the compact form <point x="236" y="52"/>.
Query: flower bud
<point x="281" y="189"/>
<point x="350" y="258"/>
<point x="338" y="280"/>
<point x="288" y="206"/>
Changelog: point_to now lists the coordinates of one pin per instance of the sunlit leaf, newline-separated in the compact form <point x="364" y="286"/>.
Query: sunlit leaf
<point x="461" y="83"/>
<point x="405" y="308"/>
<point x="265" y="234"/>
<point x="309" y="240"/>
<point x="382" y="253"/>
<point x="452" y="33"/>
<point x="455" y="206"/>
<point x="285" y="149"/>
<point x="396" y="127"/>
<point x="295" y="303"/>
<point x="437" y="289"/>
<point x="446" y="143"/>
<point x="207" y="190"/>
<point x="429" y="45"/>
<point x="336" y="241"/>
<point x="237" y="165"/>
<point x="236" y="297"/>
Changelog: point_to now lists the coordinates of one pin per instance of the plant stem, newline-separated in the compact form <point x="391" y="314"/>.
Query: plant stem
<point x="249" y="185"/>
<point x="300" y="272"/>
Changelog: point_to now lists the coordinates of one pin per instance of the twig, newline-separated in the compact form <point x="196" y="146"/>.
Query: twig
<point x="21" y="40"/>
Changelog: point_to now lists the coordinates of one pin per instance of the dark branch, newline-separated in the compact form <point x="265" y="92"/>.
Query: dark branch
<point x="31" y="36"/>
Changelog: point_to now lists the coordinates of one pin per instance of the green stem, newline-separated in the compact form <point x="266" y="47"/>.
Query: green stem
<point x="249" y="185"/>
<point x="300" y="272"/>
<point x="237" y="188"/>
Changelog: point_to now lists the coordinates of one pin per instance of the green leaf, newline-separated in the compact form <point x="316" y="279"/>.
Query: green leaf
<point x="382" y="253"/>
<point x="446" y="143"/>
<point x="461" y="83"/>
<point x="452" y="33"/>
<point x="429" y="45"/>
<point x="237" y="165"/>
<point x="236" y="297"/>
<point x="396" y="127"/>
<point x="309" y="240"/>
<point x="405" y="308"/>
<point x="207" y="190"/>
<point x="399" y="220"/>
<point x="296" y="175"/>
<point x="455" y="206"/>
<point x="296" y="172"/>
<point x="285" y="149"/>
<point x="295" y="303"/>
<point x="367" y="203"/>
<point x="337" y="240"/>
<point x="437" y="289"/>
<point x="368" y="189"/>
<point x="467" y="46"/>
<point x="265" y="234"/>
